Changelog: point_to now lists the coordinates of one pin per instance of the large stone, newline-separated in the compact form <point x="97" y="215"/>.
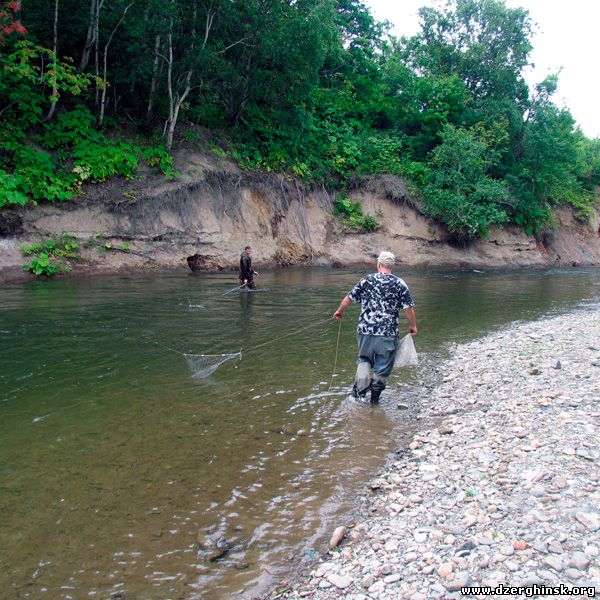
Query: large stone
<point x="367" y="581"/>
<point x="445" y="429"/>
<point x="579" y="560"/>
<point x="554" y="562"/>
<point x="461" y="579"/>
<point x="589" y="520"/>
<point x="341" y="581"/>
<point x="197" y="263"/>
<point x="337" y="536"/>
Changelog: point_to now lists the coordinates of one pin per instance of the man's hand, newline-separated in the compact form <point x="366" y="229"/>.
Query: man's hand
<point x="256" y="273"/>
<point x="412" y="320"/>
<point x="339" y="313"/>
<point x="245" y="282"/>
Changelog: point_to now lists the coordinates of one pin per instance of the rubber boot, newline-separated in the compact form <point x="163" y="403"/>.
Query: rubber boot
<point x="362" y="394"/>
<point x="377" y="386"/>
<point x="363" y="380"/>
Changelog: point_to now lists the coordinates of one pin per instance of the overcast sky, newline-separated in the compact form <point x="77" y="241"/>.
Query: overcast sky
<point x="566" y="37"/>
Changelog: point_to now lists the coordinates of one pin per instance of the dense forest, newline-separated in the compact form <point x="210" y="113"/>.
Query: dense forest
<point x="315" y="88"/>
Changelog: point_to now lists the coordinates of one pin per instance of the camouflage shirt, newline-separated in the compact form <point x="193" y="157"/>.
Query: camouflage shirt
<point x="381" y="296"/>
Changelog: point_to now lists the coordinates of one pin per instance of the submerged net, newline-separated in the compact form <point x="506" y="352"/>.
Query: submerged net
<point x="203" y="365"/>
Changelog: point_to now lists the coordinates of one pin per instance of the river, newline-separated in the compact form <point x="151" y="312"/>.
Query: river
<point x="115" y="459"/>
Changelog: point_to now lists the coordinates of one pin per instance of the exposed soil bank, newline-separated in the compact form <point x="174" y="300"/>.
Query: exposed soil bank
<point x="504" y="491"/>
<point x="214" y="209"/>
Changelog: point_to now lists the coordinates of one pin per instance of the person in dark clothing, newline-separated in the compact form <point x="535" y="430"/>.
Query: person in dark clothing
<point x="246" y="272"/>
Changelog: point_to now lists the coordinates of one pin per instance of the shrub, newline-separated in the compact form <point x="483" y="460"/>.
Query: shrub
<point x="96" y="161"/>
<point x="369" y="223"/>
<point x="459" y="193"/>
<point x="70" y="129"/>
<point x="49" y="257"/>
<point x="37" y="177"/>
<point x="10" y="190"/>
<point x="159" y="159"/>
<point x="41" y="265"/>
<point x="352" y="217"/>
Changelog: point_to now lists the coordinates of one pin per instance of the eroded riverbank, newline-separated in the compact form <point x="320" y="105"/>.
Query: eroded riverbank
<point x="212" y="218"/>
<point x="504" y="490"/>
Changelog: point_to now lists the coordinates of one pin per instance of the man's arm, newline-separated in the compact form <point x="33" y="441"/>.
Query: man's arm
<point x="339" y="313"/>
<point x="412" y="320"/>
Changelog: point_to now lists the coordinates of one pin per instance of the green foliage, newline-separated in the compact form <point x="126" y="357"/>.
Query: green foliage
<point x="51" y="256"/>
<point x="459" y="192"/>
<point x="311" y="88"/>
<point x="29" y="76"/>
<point x="71" y="128"/>
<point x="369" y="223"/>
<point x="68" y="153"/>
<point x="99" y="162"/>
<point x="159" y="159"/>
<point x="351" y="215"/>
<point x="38" y="177"/>
<point x="10" y="192"/>
<point x="41" y="265"/>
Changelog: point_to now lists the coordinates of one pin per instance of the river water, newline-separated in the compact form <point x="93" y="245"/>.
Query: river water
<point x="115" y="460"/>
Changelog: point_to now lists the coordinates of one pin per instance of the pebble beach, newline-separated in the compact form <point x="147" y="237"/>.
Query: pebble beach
<point x="499" y="487"/>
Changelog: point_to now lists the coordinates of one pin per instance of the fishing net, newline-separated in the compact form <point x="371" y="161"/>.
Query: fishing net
<point x="203" y="365"/>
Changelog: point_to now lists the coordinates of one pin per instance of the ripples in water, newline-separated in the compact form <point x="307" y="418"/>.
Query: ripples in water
<point x="115" y="459"/>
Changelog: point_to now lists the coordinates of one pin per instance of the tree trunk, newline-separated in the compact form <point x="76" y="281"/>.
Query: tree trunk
<point x="245" y="92"/>
<point x="154" y="83"/>
<point x="105" y="65"/>
<point x="177" y="98"/>
<point x="174" y="117"/>
<point x="89" y="40"/>
<point x="54" y="97"/>
<point x="99" y="4"/>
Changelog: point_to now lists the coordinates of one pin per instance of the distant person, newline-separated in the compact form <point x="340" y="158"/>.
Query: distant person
<point x="381" y="296"/>
<point x="246" y="272"/>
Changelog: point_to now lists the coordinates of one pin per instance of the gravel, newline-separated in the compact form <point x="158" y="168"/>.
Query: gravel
<point x="514" y="497"/>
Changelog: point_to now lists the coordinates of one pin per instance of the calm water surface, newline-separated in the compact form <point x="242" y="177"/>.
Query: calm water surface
<point x="114" y="458"/>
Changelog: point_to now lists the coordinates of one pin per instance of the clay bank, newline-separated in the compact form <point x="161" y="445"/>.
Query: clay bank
<point x="213" y="209"/>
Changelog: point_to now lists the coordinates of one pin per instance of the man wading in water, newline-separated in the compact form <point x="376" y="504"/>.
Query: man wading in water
<point x="246" y="272"/>
<point x="381" y="296"/>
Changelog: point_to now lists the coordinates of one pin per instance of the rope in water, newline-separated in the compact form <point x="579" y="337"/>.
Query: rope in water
<point x="281" y="337"/>
<point x="337" y="348"/>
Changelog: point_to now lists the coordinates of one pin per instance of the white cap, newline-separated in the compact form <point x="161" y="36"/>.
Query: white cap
<point x="386" y="259"/>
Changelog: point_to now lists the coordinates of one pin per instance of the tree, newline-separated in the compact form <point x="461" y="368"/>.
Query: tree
<point x="26" y="81"/>
<point x="9" y="20"/>
<point x="459" y="192"/>
<point x="547" y="172"/>
<point x="54" y="96"/>
<point x="485" y="45"/>
<point x="105" y="64"/>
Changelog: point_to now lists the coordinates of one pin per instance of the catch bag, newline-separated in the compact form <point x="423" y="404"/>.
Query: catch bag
<point x="406" y="355"/>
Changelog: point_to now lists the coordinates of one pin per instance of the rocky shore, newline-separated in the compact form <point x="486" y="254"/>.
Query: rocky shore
<point x="504" y="490"/>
